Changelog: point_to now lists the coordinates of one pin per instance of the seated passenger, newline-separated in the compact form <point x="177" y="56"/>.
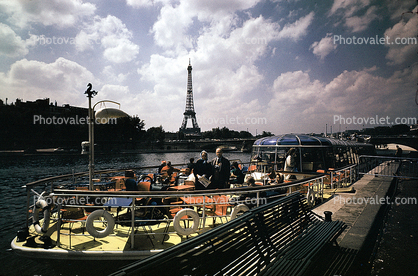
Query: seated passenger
<point x="131" y="184"/>
<point x="168" y="171"/>
<point x="271" y="177"/>
<point x="251" y="199"/>
<point x="236" y="174"/>
<point x="191" y="165"/>
<point x="163" y="164"/>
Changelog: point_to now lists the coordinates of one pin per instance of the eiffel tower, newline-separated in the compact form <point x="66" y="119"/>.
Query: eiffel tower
<point x="189" y="113"/>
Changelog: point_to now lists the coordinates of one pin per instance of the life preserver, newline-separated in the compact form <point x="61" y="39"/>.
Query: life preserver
<point x="310" y="197"/>
<point x="239" y="208"/>
<point x="41" y="204"/>
<point x="94" y="216"/>
<point x="177" y="218"/>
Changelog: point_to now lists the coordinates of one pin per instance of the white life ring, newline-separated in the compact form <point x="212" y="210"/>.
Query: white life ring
<point x="310" y="197"/>
<point x="94" y="216"/>
<point x="186" y="231"/>
<point x="41" y="204"/>
<point x="240" y="208"/>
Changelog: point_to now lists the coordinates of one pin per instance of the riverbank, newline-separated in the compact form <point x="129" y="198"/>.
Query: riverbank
<point x="55" y="152"/>
<point x="382" y="224"/>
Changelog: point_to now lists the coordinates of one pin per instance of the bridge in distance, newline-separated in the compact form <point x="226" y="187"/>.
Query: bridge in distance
<point x="246" y="143"/>
<point x="410" y="141"/>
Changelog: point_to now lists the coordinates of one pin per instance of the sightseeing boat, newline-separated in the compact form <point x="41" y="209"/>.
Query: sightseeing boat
<point x="99" y="216"/>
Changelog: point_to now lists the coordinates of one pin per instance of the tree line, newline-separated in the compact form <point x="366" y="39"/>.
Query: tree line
<point x="31" y="127"/>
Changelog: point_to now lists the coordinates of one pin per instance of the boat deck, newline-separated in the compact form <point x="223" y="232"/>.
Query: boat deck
<point x="76" y="243"/>
<point x="137" y="233"/>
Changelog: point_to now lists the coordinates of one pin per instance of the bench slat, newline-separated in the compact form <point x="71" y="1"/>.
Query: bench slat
<point x="279" y="238"/>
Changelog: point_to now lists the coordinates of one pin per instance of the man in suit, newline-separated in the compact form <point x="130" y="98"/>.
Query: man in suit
<point x="202" y="168"/>
<point x="221" y="171"/>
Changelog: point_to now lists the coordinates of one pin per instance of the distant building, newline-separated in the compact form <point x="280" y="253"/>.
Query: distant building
<point x="46" y="108"/>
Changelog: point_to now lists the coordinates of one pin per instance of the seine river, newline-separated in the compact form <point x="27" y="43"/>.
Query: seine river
<point x="16" y="171"/>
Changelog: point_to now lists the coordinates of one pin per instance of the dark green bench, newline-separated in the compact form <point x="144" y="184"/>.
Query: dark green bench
<point x="279" y="238"/>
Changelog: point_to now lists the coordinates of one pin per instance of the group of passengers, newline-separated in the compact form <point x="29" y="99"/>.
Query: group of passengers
<point x="218" y="173"/>
<point x="212" y="174"/>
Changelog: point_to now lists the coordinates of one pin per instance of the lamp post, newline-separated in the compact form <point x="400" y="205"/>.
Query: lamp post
<point x="107" y="114"/>
<point x="90" y="94"/>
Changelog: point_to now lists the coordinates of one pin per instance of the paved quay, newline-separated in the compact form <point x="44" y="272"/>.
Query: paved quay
<point x="362" y="211"/>
<point x="359" y="209"/>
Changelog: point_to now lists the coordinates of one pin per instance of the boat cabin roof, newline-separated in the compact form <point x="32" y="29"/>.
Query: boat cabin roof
<point x="296" y="140"/>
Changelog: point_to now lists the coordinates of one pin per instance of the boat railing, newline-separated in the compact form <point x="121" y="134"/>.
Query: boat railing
<point x="35" y="188"/>
<point x="343" y="177"/>
<point x="208" y="203"/>
<point x="388" y="166"/>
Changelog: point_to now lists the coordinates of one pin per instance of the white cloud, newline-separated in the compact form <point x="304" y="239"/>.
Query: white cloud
<point x="171" y="27"/>
<point x="301" y="104"/>
<point x="348" y="7"/>
<point x="352" y="13"/>
<point x="215" y="10"/>
<point x="139" y="3"/>
<point x="360" y="23"/>
<point x="119" y="94"/>
<point x="12" y="45"/>
<point x="63" y="79"/>
<point x="297" y="29"/>
<point x="397" y="9"/>
<point x="112" y="35"/>
<point x="400" y="52"/>
<point x="144" y="3"/>
<point x="324" y="47"/>
<point x="111" y="76"/>
<point x="60" y="13"/>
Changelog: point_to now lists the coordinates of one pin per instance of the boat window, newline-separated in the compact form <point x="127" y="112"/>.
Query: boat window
<point x="263" y="157"/>
<point x="352" y="159"/>
<point x="355" y="155"/>
<point x="268" y="157"/>
<point x="330" y="158"/>
<point x="312" y="159"/>
<point x="339" y="157"/>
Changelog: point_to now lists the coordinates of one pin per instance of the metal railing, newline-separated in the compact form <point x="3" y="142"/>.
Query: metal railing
<point x="210" y="199"/>
<point x="388" y="166"/>
<point x="343" y="177"/>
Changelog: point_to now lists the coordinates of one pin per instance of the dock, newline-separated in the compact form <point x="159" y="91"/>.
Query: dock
<point x="363" y="210"/>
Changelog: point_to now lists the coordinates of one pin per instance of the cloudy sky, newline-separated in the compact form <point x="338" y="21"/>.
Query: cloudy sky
<point x="274" y="65"/>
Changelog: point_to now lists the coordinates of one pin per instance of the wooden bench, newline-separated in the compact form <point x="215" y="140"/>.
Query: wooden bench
<point x="279" y="238"/>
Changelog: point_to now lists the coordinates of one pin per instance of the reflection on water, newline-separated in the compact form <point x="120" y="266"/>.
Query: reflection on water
<point x="16" y="171"/>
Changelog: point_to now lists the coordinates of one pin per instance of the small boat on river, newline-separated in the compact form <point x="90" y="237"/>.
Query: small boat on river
<point x="68" y="218"/>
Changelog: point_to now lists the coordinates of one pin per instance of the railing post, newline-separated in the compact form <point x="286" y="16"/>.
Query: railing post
<point x="133" y="223"/>
<point x="27" y="207"/>
<point x="204" y="213"/>
<point x="59" y="225"/>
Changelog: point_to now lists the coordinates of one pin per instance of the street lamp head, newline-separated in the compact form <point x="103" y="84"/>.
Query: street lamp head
<point x="90" y="93"/>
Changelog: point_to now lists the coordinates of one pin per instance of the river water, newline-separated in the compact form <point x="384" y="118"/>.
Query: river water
<point x="16" y="171"/>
